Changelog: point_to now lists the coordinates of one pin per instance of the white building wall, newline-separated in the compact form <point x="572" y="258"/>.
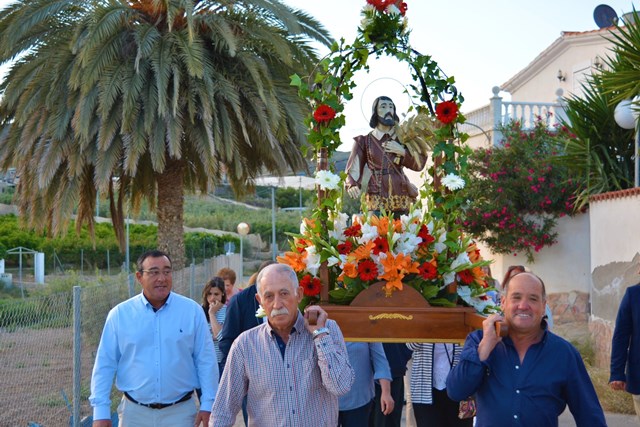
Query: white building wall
<point x="564" y="267"/>
<point x="615" y="229"/>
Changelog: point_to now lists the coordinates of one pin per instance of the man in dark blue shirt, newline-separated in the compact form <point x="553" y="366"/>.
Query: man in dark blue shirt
<point x="528" y="377"/>
<point x="625" y="347"/>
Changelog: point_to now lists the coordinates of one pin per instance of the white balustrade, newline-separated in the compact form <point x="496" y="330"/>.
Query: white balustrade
<point x="499" y="113"/>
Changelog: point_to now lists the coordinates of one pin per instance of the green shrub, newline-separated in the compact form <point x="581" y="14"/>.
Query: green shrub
<point x="517" y="192"/>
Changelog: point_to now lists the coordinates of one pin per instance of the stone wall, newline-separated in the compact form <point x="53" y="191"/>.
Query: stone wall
<point x="615" y="261"/>
<point x="568" y="307"/>
<point x="601" y="332"/>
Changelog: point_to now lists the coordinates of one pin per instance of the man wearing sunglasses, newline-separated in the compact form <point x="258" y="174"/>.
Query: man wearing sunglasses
<point x="528" y="377"/>
<point x="158" y="346"/>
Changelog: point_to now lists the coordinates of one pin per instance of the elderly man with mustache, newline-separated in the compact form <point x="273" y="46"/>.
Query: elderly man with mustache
<point x="292" y="372"/>
<point x="376" y="163"/>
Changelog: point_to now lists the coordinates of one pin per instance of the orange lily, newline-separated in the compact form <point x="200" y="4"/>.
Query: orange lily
<point x="294" y="260"/>
<point x="364" y="251"/>
<point x="406" y="264"/>
<point x="390" y="286"/>
<point x="381" y="223"/>
<point x="392" y="270"/>
<point x="350" y="270"/>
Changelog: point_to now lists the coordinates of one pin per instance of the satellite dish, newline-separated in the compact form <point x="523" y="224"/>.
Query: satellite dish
<point x="605" y="16"/>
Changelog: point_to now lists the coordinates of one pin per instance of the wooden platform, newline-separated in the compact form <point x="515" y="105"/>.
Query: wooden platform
<point x="404" y="317"/>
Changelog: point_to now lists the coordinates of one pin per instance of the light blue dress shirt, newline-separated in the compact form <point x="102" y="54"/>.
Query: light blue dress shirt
<point x="369" y="363"/>
<point x="156" y="356"/>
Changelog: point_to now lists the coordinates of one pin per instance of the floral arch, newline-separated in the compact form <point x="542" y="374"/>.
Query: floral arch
<point x="337" y="259"/>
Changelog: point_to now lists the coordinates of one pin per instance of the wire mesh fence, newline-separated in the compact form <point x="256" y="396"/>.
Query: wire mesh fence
<point x="41" y="353"/>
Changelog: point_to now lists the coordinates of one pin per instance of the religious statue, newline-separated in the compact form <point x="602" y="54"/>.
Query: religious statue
<point x="376" y="163"/>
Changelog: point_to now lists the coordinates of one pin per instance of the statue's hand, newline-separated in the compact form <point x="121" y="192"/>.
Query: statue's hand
<point x="354" y="192"/>
<point x="394" y="147"/>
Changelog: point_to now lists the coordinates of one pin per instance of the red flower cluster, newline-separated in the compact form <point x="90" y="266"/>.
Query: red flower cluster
<point x="447" y="111"/>
<point x="354" y="231"/>
<point x="466" y="276"/>
<point x="381" y="5"/>
<point x="381" y="245"/>
<point x="367" y="270"/>
<point x="311" y="285"/>
<point x="324" y="114"/>
<point x="345" y="248"/>
<point x="428" y="271"/>
<point x="427" y="238"/>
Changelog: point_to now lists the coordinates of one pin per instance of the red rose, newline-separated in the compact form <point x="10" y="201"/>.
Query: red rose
<point x="466" y="277"/>
<point x="381" y="245"/>
<point x="324" y="114"/>
<point x="428" y="271"/>
<point x="345" y="248"/>
<point x="367" y="270"/>
<point x="311" y="285"/>
<point x="447" y="111"/>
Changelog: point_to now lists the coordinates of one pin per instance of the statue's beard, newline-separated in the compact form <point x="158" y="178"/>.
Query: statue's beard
<point x="387" y="120"/>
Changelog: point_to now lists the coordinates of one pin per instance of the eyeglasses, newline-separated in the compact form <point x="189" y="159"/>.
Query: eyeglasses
<point x="153" y="273"/>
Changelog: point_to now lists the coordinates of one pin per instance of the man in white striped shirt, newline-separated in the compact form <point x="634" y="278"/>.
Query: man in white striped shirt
<point x="291" y="372"/>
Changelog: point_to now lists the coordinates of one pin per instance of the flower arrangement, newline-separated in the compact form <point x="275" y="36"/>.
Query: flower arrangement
<point x="415" y="250"/>
<point x="384" y="20"/>
<point x="425" y="249"/>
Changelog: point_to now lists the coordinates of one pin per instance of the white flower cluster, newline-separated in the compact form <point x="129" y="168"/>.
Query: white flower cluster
<point x="453" y="182"/>
<point x="327" y="180"/>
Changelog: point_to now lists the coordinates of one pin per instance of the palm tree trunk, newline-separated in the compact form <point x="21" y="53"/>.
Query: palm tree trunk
<point x="170" y="211"/>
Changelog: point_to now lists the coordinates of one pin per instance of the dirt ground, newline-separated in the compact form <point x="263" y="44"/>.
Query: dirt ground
<point x="37" y="367"/>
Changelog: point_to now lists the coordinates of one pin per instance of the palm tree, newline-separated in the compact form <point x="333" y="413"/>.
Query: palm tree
<point x="601" y="154"/>
<point x="142" y="99"/>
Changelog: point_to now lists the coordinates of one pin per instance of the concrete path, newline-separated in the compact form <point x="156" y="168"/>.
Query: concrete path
<point x="565" y="420"/>
<point x="613" y="420"/>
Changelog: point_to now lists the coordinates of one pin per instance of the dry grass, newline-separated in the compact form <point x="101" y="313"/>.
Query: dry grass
<point x="611" y="401"/>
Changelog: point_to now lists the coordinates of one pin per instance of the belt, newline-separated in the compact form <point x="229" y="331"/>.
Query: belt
<point x="159" y="405"/>
<point x="384" y="171"/>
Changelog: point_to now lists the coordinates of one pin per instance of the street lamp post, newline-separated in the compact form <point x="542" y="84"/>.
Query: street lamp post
<point x="626" y="116"/>
<point x="243" y="229"/>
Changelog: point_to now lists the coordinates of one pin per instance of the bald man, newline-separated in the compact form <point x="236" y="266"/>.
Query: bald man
<point x="528" y="377"/>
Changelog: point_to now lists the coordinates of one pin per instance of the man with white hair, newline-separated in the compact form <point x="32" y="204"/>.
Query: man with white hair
<point x="292" y="372"/>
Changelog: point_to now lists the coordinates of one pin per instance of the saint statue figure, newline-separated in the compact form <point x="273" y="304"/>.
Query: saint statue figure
<point x="376" y="164"/>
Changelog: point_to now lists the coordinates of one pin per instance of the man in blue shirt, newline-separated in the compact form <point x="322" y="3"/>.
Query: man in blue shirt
<point x="158" y="346"/>
<point x="625" y="347"/>
<point x="528" y="377"/>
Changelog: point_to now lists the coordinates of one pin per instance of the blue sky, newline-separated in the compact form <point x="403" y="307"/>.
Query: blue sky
<point x="482" y="43"/>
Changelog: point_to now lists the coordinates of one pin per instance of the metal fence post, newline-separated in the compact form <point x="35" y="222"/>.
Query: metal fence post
<point x="77" y="347"/>
<point x="130" y="282"/>
<point x="192" y="281"/>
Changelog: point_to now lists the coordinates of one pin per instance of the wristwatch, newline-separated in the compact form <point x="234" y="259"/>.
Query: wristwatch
<point x="319" y="332"/>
